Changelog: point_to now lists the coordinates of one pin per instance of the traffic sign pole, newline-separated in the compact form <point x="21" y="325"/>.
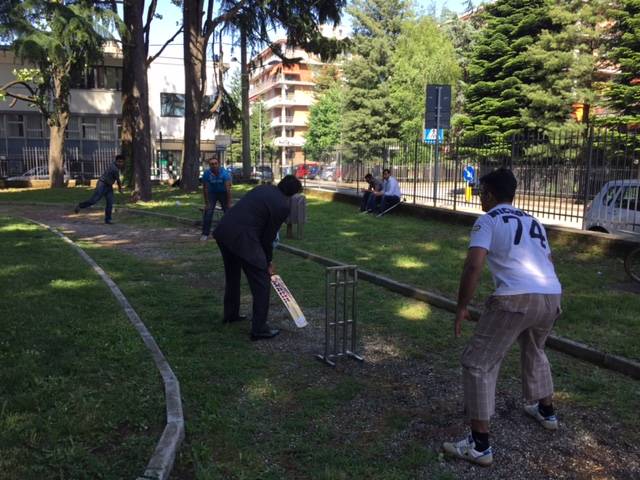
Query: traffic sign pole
<point x="437" y="151"/>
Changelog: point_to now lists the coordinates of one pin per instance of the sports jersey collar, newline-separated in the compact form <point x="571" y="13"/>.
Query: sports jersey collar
<point x="502" y="205"/>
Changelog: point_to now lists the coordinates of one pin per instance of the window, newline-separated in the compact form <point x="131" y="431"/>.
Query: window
<point x="109" y="78"/>
<point x="105" y="77"/>
<point x="15" y="125"/>
<point x="34" y="126"/>
<point x="610" y="195"/>
<point x="89" y="128"/>
<point x="106" y="129"/>
<point x="171" y="105"/>
<point x="290" y="132"/>
<point x="291" y="77"/>
<point x="2" y="129"/>
<point x="207" y="102"/>
<point x="73" y="128"/>
<point x="629" y="199"/>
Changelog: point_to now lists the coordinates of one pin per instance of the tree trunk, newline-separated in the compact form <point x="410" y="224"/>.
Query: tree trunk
<point x="135" y="99"/>
<point x="57" y="127"/>
<point x="194" y="79"/>
<point x="246" y="121"/>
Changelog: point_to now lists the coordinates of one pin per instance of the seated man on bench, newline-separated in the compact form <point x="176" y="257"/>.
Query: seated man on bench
<point x="390" y="194"/>
<point x="216" y="187"/>
<point x="374" y="185"/>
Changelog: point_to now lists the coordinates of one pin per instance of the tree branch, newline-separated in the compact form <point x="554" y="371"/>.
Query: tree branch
<point x="166" y="44"/>
<point x="228" y="15"/>
<point x="4" y="88"/>
<point x="151" y="11"/>
<point x="207" y="23"/>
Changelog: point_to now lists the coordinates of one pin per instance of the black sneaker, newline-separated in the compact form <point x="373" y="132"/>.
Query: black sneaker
<point x="108" y="222"/>
<point x="77" y="209"/>
<point x="265" y="334"/>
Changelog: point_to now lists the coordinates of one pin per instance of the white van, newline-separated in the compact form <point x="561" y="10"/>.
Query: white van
<point x="615" y="209"/>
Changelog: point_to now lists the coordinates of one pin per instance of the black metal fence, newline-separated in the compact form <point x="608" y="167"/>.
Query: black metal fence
<point x="558" y="175"/>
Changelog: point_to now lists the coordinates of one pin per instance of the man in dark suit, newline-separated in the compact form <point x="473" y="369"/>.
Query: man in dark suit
<point x="245" y="237"/>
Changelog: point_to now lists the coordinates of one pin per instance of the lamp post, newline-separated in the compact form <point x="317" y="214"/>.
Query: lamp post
<point x="161" y="157"/>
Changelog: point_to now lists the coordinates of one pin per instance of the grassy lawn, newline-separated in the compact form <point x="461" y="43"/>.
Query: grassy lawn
<point x="255" y="411"/>
<point x="429" y="254"/>
<point x="79" y="394"/>
<point x="264" y="410"/>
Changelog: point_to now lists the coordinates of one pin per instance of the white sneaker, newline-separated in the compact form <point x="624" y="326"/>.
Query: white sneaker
<point x="204" y="238"/>
<point x="550" y="422"/>
<point x="465" y="449"/>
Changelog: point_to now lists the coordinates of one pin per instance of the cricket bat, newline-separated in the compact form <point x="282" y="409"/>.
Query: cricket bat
<point x="288" y="300"/>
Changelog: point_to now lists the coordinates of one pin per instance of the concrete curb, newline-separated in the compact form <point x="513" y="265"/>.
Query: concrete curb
<point x="563" y="345"/>
<point x="161" y="463"/>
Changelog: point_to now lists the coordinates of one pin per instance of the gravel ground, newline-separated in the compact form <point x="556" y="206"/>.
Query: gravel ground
<point x="589" y="445"/>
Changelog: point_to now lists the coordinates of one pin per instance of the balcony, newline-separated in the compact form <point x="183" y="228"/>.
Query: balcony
<point x="293" y="100"/>
<point x="289" y="141"/>
<point x="261" y="87"/>
<point x="291" y="121"/>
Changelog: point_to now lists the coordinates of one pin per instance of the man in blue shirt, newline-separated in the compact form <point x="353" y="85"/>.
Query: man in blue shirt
<point x="216" y="187"/>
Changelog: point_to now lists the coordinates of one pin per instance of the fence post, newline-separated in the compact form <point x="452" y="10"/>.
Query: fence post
<point x="587" y="181"/>
<point x="415" y="171"/>
<point x="456" y="172"/>
<point x="304" y="171"/>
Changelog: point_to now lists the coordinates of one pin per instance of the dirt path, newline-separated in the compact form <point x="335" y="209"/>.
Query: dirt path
<point x="589" y="444"/>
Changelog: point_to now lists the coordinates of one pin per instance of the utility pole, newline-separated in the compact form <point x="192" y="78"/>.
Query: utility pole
<point x="244" y="85"/>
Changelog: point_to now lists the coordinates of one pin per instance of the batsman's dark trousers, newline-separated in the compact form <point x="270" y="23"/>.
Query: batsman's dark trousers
<point x="207" y="215"/>
<point x="259" y="283"/>
<point x="102" y="190"/>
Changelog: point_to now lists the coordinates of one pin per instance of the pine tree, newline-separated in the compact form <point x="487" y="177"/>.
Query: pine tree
<point x="369" y="117"/>
<point x="462" y="34"/>
<point x="500" y="65"/>
<point x="624" y="93"/>
<point x="565" y="58"/>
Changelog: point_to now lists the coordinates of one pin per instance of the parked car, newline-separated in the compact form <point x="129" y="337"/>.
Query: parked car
<point x="236" y="173"/>
<point x="304" y="170"/>
<point x="37" y="173"/>
<point x="615" y="208"/>
<point x="330" y="173"/>
<point x="262" y="172"/>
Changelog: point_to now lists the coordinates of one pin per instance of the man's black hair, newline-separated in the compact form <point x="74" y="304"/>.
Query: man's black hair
<point x="368" y="176"/>
<point x="290" y="185"/>
<point x="501" y="183"/>
<point x="119" y="157"/>
<point x="386" y="170"/>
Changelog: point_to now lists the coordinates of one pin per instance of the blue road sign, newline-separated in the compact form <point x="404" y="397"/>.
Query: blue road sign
<point x="469" y="174"/>
<point x="430" y="135"/>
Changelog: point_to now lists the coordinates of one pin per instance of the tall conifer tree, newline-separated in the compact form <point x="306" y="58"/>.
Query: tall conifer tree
<point x="377" y="25"/>
<point x="624" y="93"/>
<point x="500" y="65"/>
<point x="566" y="60"/>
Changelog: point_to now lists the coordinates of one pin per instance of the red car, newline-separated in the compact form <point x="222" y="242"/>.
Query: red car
<point x="309" y="170"/>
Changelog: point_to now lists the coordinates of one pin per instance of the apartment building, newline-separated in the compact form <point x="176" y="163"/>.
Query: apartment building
<point x="93" y="134"/>
<point x="287" y="93"/>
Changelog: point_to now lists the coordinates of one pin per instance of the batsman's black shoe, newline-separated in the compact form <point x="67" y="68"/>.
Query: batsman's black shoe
<point x="108" y="222"/>
<point x="76" y="209"/>
<point x="239" y="318"/>
<point x="265" y="334"/>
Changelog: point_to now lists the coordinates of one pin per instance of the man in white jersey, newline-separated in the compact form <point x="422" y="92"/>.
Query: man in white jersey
<point x="523" y="307"/>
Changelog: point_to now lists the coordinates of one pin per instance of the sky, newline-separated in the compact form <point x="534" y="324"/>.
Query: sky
<point x="163" y="29"/>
